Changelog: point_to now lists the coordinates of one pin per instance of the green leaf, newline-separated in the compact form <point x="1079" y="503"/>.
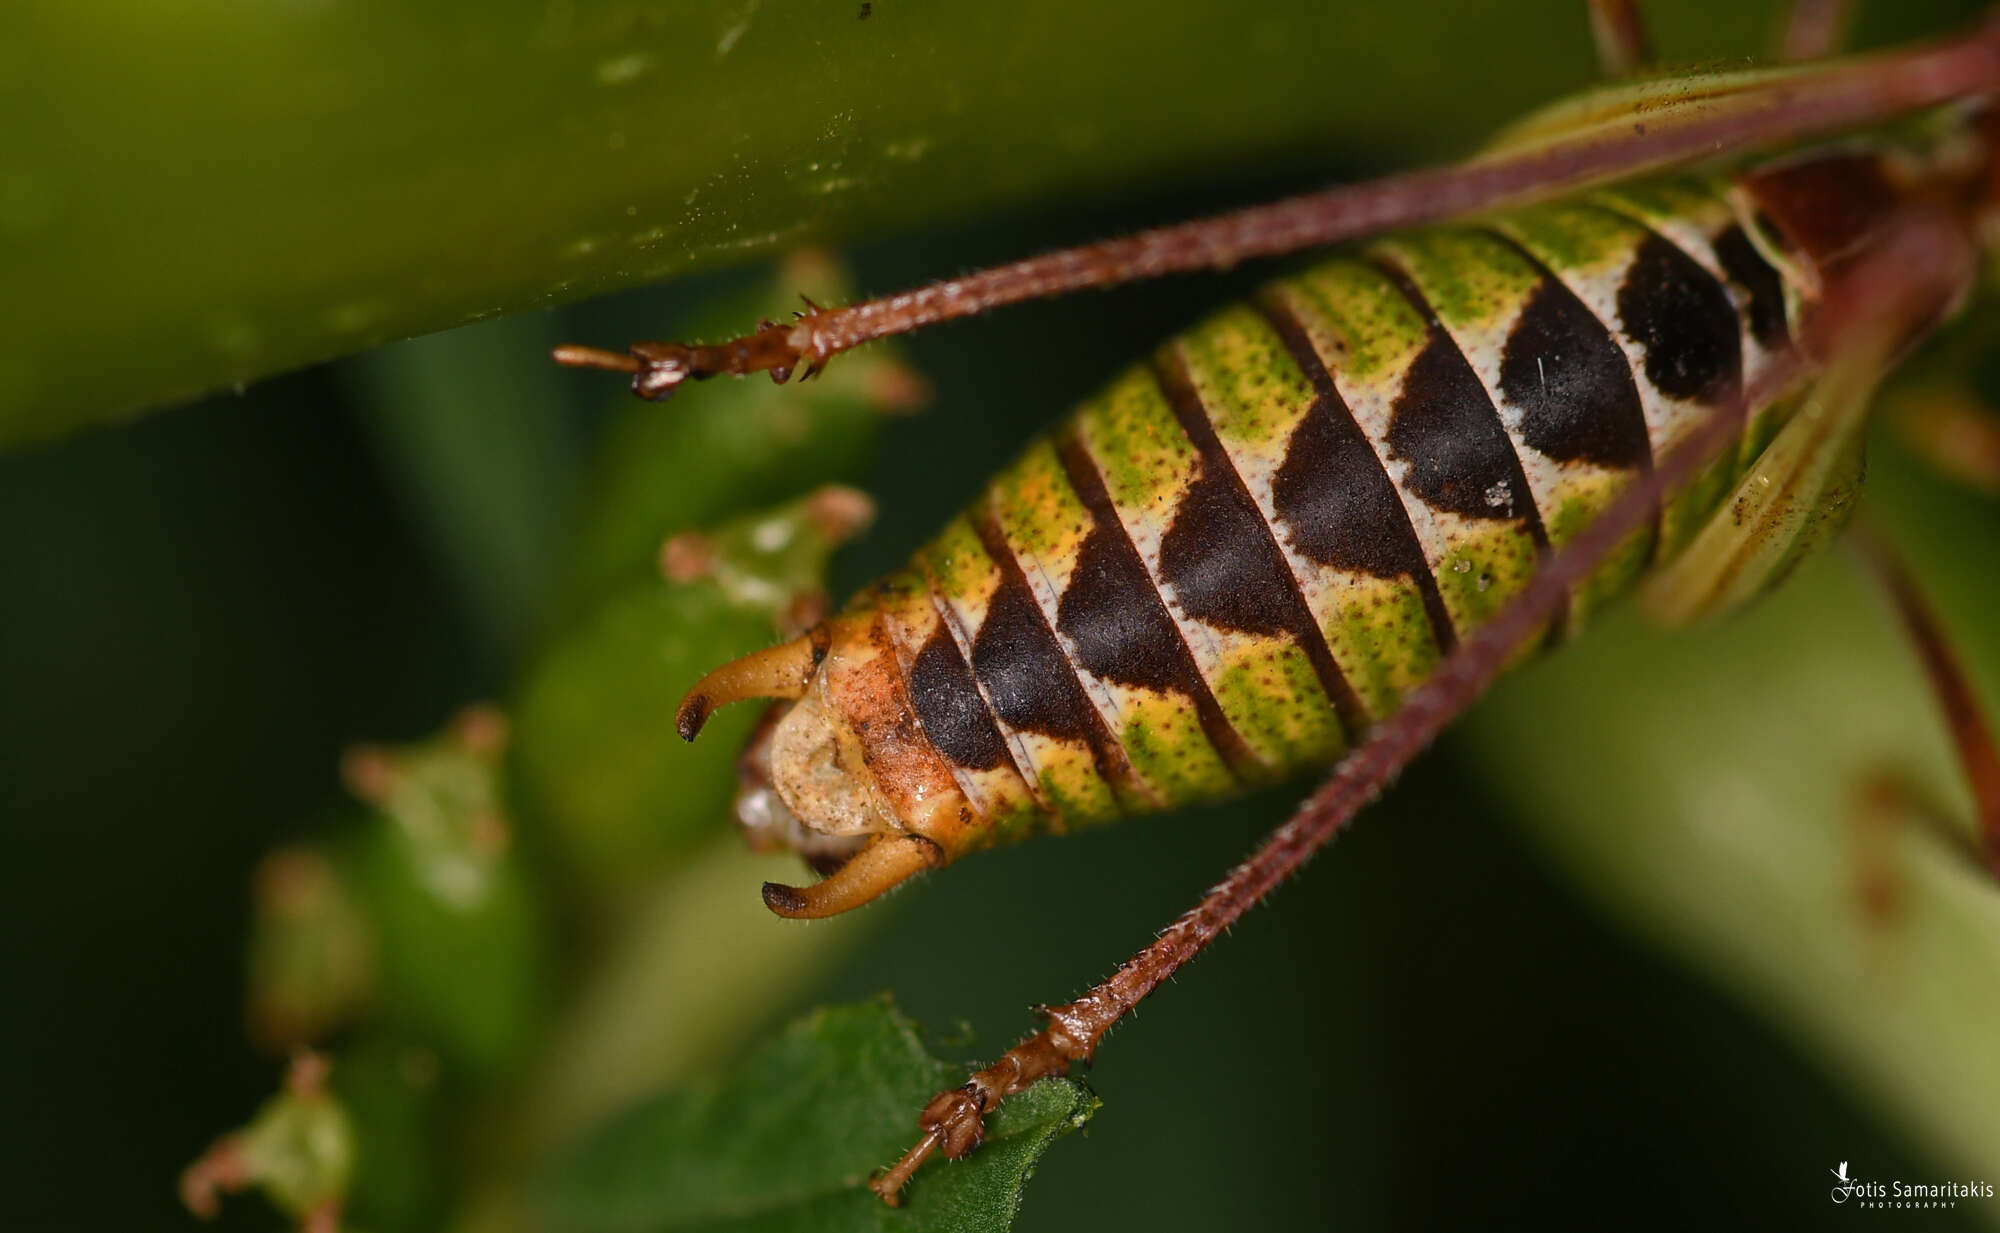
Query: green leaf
<point x="1710" y="789"/>
<point x="202" y="195"/>
<point x="596" y="762"/>
<point x="788" y="1139"/>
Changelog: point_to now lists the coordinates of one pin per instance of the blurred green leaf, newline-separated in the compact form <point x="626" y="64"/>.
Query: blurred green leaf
<point x="467" y="428"/>
<point x="472" y="976"/>
<point x="459" y="913"/>
<point x="298" y="1150"/>
<point x="1711" y="789"/>
<point x="597" y="765"/>
<point x="196" y="196"/>
<point x="788" y="1138"/>
<point x="663" y="1001"/>
<point x="199" y="195"/>
<point x="393" y="1092"/>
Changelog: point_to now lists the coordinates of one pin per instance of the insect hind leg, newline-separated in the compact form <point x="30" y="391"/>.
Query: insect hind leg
<point x="1972" y="735"/>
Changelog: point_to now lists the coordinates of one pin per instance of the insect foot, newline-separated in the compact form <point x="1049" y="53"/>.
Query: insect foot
<point x="955" y="1120"/>
<point x="659" y="368"/>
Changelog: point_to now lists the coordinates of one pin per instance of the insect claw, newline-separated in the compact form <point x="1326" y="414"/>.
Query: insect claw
<point x="657" y="384"/>
<point x="775" y="672"/>
<point x="887" y="861"/>
<point x="663" y="366"/>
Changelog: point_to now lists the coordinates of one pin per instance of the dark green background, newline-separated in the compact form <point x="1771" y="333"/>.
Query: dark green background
<point x="200" y="608"/>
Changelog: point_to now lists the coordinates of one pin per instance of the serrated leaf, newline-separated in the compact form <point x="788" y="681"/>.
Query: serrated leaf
<point x="788" y="1138"/>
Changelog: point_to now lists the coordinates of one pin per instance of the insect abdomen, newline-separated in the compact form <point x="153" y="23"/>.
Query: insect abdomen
<point x="1247" y="550"/>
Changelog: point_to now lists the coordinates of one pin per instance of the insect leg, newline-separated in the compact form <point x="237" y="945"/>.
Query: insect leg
<point x="1683" y="121"/>
<point x="1971" y="733"/>
<point x="1815" y="28"/>
<point x="1619" y="30"/>
<point x="1864" y="319"/>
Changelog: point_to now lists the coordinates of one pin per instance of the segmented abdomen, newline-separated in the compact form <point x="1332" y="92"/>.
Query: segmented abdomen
<point x="1245" y="552"/>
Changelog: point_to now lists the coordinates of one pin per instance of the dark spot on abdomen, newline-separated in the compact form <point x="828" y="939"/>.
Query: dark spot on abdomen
<point x="1337" y="500"/>
<point x="1117" y="622"/>
<point x="1019" y="662"/>
<point x="1223" y="566"/>
<point x="1567" y="374"/>
<point x="1684" y="319"/>
<point x="948" y="705"/>
<point x="1743" y="263"/>
<point x="1445" y="428"/>
<point x="1332" y="492"/>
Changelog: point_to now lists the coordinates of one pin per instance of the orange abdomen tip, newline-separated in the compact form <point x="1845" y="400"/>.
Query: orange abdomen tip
<point x="887" y="861"/>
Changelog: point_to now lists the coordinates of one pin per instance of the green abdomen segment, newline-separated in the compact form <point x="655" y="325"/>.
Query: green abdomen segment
<point x="1242" y="554"/>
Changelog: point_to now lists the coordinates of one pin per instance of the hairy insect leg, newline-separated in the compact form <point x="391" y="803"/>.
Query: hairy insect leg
<point x="1863" y="319"/>
<point x="1619" y="30"/>
<point x="1684" y="120"/>
<point x="1971" y="733"/>
<point x="1815" y="28"/>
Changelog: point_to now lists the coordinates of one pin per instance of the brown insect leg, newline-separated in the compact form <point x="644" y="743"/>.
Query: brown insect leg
<point x="1864" y="317"/>
<point x="1815" y="28"/>
<point x="1619" y="31"/>
<point x="1971" y="734"/>
<point x="1839" y="97"/>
